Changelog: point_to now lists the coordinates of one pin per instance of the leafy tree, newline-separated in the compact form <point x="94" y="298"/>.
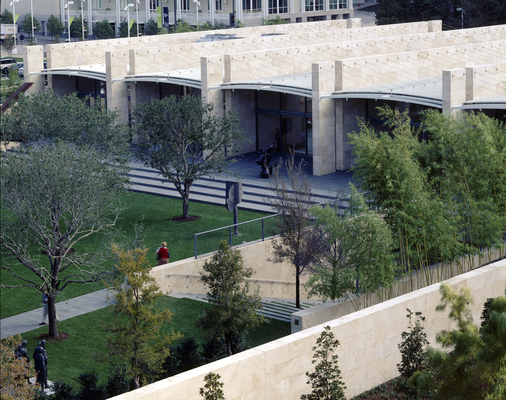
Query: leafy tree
<point x="136" y="343"/>
<point x="90" y="389"/>
<point x="326" y="379"/>
<point x="117" y="382"/>
<point x="78" y="166"/>
<point x="14" y="372"/>
<point x="151" y="28"/>
<point x="11" y="84"/>
<point x="182" y="27"/>
<point x="212" y="390"/>
<point x="6" y="17"/>
<point x="356" y="250"/>
<point x="42" y="229"/>
<point x="8" y="45"/>
<point x="26" y="23"/>
<point x="185" y="140"/>
<point x="54" y="27"/>
<point x="473" y="368"/>
<point x="76" y="28"/>
<point x="277" y="21"/>
<point x="47" y="117"/>
<point x="207" y="26"/>
<point x="183" y="357"/>
<point x="292" y="201"/>
<point x="216" y="348"/>
<point x="234" y="307"/>
<point x="485" y="12"/>
<point x="103" y="30"/>
<point x="123" y="29"/>
<point x="412" y="347"/>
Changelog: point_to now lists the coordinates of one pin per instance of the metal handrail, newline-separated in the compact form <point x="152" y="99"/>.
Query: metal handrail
<point x="230" y="231"/>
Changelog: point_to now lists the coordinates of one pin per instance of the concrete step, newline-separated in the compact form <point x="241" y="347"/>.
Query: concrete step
<point x="211" y="191"/>
<point x="273" y="308"/>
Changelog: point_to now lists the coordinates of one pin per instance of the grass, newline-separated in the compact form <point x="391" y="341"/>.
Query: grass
<point x="155" y="213"/>
<point x="69" y="358"/>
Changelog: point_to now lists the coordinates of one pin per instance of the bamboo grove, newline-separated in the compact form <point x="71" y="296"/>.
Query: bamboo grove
<point x="444" y="199"/>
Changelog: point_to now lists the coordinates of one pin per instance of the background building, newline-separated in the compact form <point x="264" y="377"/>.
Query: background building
<point x="165" y="12"/>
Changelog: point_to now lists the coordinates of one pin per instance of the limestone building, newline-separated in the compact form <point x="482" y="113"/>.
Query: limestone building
<point x="165" y="12"/>
<point x="309" y="80"/>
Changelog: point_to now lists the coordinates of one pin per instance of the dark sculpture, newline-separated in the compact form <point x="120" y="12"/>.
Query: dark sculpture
<point x="21" y="351"/>
<point x="40" y="358"/>
<point x="264" y="160"/>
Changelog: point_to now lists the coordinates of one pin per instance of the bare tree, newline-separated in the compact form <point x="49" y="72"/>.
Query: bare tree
<point x="292" y="200"/>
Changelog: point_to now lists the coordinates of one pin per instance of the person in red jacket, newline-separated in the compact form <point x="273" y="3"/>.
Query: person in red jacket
<point x="162" y="254"/>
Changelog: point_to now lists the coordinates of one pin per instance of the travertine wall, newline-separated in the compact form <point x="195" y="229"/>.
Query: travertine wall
<point x="399" y="67"/>
<point x="278" y="278"/>
<point x="485" y="81"/>
<point x="335" y="309"/>
<point x="345" y="44"/>
<point x="368" y="351"/>
<point x="93" y="52"/>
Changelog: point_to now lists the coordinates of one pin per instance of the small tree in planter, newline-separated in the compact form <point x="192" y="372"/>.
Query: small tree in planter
<point x="212" y="390"/>
<point x="326" y="379"/>
<point x="412" y="347"/>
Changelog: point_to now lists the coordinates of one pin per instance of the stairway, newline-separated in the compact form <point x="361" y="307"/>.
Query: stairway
<point x="212" y="191"/>
<point x="279" y="309"/>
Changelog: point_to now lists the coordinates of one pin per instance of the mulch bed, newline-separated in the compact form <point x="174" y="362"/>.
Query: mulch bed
<point x="180" y="218"/>
<point x="61" y="337"/>
<point x="391" y="390"/>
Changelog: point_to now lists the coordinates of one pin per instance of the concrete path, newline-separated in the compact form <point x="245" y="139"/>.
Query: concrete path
<point x="30" y="320"/>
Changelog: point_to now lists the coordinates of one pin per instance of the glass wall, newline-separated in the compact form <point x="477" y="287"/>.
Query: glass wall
<point x="284" y="120"/>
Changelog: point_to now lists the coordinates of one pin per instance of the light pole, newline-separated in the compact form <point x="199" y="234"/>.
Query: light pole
<point x="461" y="9"/>
<point x="197" y="4"/>
<point x="82" y="17"/>
<point x="14" y="20"/>
<point x="33" y="29"/>
<point x="127" y="9"/>
<point x="67" y="6"/>
<point x="137" y="2"/>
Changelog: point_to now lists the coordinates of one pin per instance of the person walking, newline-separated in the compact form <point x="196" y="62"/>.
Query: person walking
<point x="44" y="306"/>
<point x="162" y="254"/>
<point x="45" y="301"/>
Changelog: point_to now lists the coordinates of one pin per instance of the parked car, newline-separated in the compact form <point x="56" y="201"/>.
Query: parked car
<point x="18" y="67"/>
<point x="6" y="64"/>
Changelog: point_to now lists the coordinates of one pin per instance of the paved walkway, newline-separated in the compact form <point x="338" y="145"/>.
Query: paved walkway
<point x="30" y="320"/>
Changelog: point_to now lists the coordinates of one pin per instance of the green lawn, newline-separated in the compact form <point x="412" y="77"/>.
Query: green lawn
<point x="68" y="359"/>
<point x="155" y="213"/>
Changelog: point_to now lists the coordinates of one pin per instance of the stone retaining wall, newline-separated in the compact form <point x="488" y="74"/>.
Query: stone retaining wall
<point x="368" y="351"/>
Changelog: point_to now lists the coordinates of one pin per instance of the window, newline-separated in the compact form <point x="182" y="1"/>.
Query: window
<point x="278" y="6"/>
<point x="218" y="5"/>
<point x="97" y="4"/>
<point x="314" y="5"/>
<point x="337" y="4"/>
<point x="185" y="5"/>
<point x="252" y="5"/>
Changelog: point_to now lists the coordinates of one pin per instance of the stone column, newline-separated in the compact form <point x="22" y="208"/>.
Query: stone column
<point x="211" y="75"/>
<point x="33" y="60"/>
<point x="117" y="92"/>
<point x="133" y="85"/>
<point x="353" y="23"/>
<point x="324" y="137"/>
<point x="454" y="88"/>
